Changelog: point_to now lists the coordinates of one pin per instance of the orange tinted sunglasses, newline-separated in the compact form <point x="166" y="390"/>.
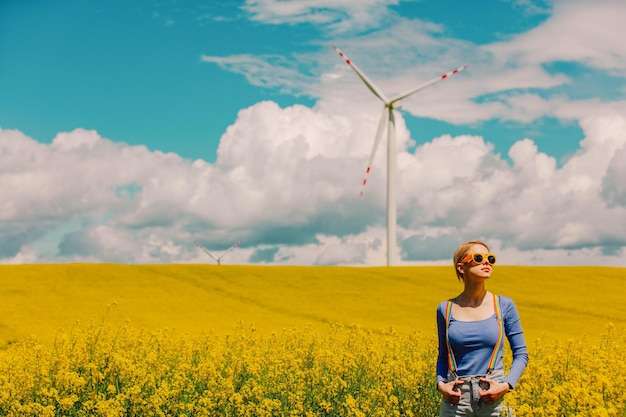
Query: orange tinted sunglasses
<point x="480" y="257"/>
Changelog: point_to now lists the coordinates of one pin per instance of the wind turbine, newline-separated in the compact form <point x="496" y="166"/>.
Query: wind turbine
<point x="388" y="119"/>
<point x="219" y="258"/>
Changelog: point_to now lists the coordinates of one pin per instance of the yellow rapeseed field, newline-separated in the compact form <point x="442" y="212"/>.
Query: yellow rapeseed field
<point x="198" y="340"/>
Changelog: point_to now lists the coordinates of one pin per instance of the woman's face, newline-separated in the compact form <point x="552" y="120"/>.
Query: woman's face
<point x="474" y="270"/>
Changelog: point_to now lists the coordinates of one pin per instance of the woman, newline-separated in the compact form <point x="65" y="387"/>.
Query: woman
<point x="471" y="328"/>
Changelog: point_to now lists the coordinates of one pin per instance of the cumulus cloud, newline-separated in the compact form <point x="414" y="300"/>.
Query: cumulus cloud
<point x="286" y="184"/>
<point x="614" y="181"/>
<point x="532" y="204"/>
<point x="276" y="183"/>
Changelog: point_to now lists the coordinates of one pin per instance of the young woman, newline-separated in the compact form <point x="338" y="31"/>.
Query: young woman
<point x="472" y="328"/>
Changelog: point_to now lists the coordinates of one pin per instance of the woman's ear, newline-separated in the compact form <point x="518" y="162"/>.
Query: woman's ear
<point x="461" y="268"/>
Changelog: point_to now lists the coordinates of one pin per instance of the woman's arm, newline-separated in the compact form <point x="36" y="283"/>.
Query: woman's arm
<point x="515" y="335"/>
<point x="442" y="357"/>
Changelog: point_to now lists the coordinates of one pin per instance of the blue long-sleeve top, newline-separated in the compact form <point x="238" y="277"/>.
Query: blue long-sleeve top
<point x="473" y="343"/>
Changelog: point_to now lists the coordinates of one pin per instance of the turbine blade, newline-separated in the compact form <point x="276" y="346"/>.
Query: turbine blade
<point x="362" y="76"/>
<point x="379" y="135"/>
<point x="429" y="83"/>
<point x="207" y="252"/>
<point x="234" y="245"/>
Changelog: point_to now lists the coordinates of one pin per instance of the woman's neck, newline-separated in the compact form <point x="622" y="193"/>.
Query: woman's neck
<point x="473" y="295"/>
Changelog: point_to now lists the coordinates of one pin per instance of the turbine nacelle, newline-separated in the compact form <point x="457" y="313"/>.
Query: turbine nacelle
<point x="387" y="120"/>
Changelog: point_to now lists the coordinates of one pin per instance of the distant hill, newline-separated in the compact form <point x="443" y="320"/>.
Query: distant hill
<point x="562" y="302"/>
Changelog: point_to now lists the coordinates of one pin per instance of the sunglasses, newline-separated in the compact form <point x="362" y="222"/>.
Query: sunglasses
<point x="480" y="257"/>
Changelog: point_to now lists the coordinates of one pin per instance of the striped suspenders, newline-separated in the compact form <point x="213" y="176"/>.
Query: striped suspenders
<point x="497" y="347"/>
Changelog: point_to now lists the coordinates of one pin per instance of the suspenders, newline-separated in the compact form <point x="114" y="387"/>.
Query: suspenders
<point x="497" y="347"/>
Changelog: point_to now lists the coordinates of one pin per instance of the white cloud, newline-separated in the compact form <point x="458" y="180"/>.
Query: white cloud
<point x="532" y="6"/>
<point x="532" y="204"/>
<point x="337" y="15"/>
<point x="340" y="252"/>
<point x="516" y="79"/>
<point x="614" y="181"/>
<point x="578" y="30"/>
<point x="267" y="71"/>
<point x="521" y="79"/>
<point x="288" y="179"/>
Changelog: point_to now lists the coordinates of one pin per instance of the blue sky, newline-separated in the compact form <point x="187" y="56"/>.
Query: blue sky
<point x="124" y="104"/>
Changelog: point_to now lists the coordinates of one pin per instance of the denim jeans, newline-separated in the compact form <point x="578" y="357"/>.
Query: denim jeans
<point x="471" y="405"/>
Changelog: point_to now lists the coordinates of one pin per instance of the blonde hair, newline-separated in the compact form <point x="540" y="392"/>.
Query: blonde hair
<point x="462" y="251"/>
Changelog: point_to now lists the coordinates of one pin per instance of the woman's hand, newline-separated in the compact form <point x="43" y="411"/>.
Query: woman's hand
<point x="495" y="391"/>
<point x="450" y="391"/>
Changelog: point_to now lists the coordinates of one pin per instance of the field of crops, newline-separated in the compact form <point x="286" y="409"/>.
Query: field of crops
<point x="193" y="340"/>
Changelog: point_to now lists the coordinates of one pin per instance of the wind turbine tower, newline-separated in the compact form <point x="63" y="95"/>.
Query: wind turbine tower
<point x="387" y="120"/>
